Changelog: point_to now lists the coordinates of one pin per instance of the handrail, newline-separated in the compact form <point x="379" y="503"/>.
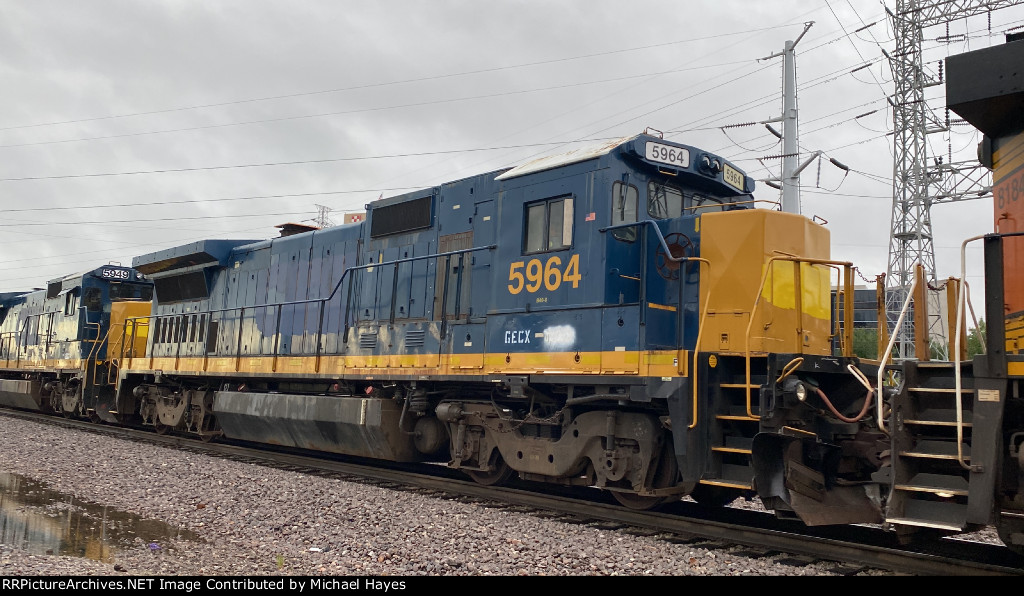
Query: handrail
<point x="888" y="352"/>
<point x="797" y="293"/>
<point x="843" y="329"/>
<point x="700" y="335"/>
<point x="19" y="334"/>
<point x="956" y="354"/>
<point x="974" y="319"/>
<point x="959" y="330"/>
<point x="95" y="344"/>
<point x="778" y="204"/>
<point x="321" y="301"/>
<point x="116" y="362"/>
<point x="124" y="336"/>
<point x="956" y="350"/>
<point x="657" y="231"/>
<point x="4" y="339"/>
<point x="135" y="325"/>
<point x="95" y="362"/>
<point x="24" y="328"/>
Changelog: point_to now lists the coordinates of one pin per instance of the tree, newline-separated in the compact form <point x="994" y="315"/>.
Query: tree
<point x="865" y="343"/>
<point x="975" y="345"/>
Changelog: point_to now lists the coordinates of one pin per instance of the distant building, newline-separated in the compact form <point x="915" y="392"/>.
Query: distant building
<point x="865" y="307"/>
<point x="354" y="217"/>
<point x="288" y="229"/>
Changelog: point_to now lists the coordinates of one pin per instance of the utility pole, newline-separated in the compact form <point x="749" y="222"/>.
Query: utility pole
<point x="910" y="239"/>
<point x="791" y="166"/>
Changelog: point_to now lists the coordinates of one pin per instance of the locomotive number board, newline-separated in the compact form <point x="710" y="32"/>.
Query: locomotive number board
<point x="732" y="176"/>
<point x="115" y="273"/>
<point x="674" y="156"/>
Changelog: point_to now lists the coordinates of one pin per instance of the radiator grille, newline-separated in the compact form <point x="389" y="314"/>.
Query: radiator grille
<point x="414" y="338"/>
<point x="368" y="340"/>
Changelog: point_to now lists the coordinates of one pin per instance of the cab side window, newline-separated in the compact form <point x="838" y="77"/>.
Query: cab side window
<point x="624" y="202"/>
<point x="664" y="202"/>
<point x="548" y="225"/>
<point x="93" y="300"/>
<point x="70" y="303"/>
<point x="669" y="202"/>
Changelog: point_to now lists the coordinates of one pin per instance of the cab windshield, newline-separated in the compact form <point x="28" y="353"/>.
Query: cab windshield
<point x="667" y="202"/>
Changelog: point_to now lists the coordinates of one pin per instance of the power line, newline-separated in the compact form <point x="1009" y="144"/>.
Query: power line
<point x="362" y="110"/>
<point x="279" y="163"/>
<point x="186" y="201"/>
<point x="318" y="161"/>
<point x="385" y="84"/>
<point x="127" y="246"/>
<point x="136" y="220"/>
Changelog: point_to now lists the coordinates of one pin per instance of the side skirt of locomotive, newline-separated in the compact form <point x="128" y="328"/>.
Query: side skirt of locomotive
<point x="376" y="420"/>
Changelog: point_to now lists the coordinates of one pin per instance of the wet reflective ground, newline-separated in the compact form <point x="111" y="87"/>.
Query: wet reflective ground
<point x="42" y="521"/>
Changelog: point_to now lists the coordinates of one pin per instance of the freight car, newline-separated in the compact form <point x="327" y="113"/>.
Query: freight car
<point x="59" y="346"/>
<point x="620" y="316"/>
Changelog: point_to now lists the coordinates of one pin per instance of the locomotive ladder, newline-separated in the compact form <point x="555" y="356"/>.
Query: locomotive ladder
<point x="735" y="421"/>
<point x="946" y="424"/>
<point x="937" y="479"/>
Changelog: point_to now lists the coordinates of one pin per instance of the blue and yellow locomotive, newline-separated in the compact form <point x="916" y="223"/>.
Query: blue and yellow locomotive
<point x="60" y="346"/>
<point x="620" y="316"/>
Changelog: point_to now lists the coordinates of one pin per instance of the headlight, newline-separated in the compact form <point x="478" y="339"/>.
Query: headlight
<point x="795" y="387"/>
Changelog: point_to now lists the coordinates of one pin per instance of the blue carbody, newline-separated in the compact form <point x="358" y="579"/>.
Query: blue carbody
<point x="433" y="272"/>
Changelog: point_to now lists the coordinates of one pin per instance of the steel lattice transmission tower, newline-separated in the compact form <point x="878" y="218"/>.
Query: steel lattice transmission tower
<point x="323" y="217"/>
<point x="910" y="240"/>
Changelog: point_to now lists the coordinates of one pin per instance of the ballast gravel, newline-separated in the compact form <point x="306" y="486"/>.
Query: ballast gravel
<point x="253" y="520"/>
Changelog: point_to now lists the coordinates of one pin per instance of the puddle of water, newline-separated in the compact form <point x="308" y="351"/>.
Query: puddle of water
<point x="39" y="520"/>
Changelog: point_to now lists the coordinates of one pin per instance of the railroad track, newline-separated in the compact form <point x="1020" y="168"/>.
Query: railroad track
<point x="736" y="532"/>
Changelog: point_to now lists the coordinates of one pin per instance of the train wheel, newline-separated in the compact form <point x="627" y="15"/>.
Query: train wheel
<point x="1011" y="532"/>
<point x="160" y="428"/>
<point x="499" y="473"/>
<point x="639" y="502"/>
<point x="665" y="476"/>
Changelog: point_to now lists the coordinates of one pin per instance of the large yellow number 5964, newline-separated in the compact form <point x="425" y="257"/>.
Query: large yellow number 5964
<point x="550" y="275"/>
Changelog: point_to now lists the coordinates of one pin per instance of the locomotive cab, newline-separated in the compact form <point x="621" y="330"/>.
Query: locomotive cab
<point x="59" y="347"/>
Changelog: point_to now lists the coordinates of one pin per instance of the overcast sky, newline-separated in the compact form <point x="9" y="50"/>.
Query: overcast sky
<point x="131" y="126"/>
